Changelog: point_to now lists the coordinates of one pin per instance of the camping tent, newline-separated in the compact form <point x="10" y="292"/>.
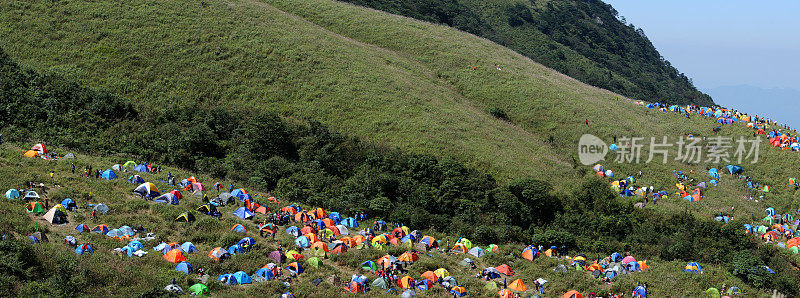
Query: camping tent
<point x="69" y="156"/>
<point x="55" y="216"/>
<point x="141" y="168"/>
<point x="102" y="208"/>
<point x="31" y="196"/>
<point x="147" y="189"/>
<point x="198" y="289"/>
<point x="185" y="217"/>
<point x="12" y="194"/>
<point x="109" y="175"/>
<point x="243" y="213"/>
<point x="35" y="207"/>
<point x="167" y="198"/>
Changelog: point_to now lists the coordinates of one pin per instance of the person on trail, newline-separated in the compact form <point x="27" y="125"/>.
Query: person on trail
<point x="231" y="190"/>
<point x="504" y="282"/>
<point x="73" y="168"/>
<point x="94" y="213"/>
<point x="587" y="121"/>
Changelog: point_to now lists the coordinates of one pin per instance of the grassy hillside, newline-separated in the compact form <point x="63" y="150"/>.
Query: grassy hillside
<point x="586" y="40"/>
<point x="52" y="268"/>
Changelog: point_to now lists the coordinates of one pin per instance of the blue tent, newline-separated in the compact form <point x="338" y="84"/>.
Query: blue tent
<point x="227" y="279"/>
<point x="613" y="147"/>
<point x="627" y="193"/>
<point x="188" y="247"/>
<point x="12" y="194"/>
<point x="320" y="224"/>
<point x="634" y="266"/>
<point x="265" y="274"/>
<point x="651" y="106"/>
<point x="424" y="284"/>
<point x="240" y="194"/>
<point x="141" y="168"/>
<point x="82" y="228"/>
<point x="128" y="251"/>
<point x="243" y="213"/>
<point x="184" y="267"/>
<point x="69" y="204"/>
<point x="693" y="267"/>
<point x="303" y="242"/>
<point x="84" y="248"/>
<point x="640" y="291"/>
<point x="616" y="257"/>
<point x="136" y="179"/>
<point x="167" y="198"/>
<point x="336" y="217"/>
<point x="713" y="172"/>
<point x="136" y="245"/>
<point x="234" y="249"/>
<point x="163" y="248"/>
<point x="350" y="222"/>
<point x="733" y="169"/>
<point x="249" y="240"/>
<point x="109" y="175"/>
<point x="242" y="277"/>
<point x="610" y="274"/>
<point x="713" y="182"/>
<point x="294" y="231"/>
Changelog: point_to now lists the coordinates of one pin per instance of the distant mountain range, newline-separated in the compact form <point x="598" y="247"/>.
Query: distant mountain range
<point x="780" y="104"/>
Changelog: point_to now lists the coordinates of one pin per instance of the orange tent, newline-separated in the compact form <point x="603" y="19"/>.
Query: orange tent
<point x="301" y="217"/>
<point x="349" y="241"/>
<point x="340" y="249"/>
<point x="31" y="153"/>
<point x="505" y="293"/>
<point x="429" y="275"/>
<point x="528" y="255"/>
<point x="175" y="256"/>
<point x="307" y="230"/>
<point x="174" y="245"/>
<point x="793" y="242"/>
<point x="504" y="269"/>
<point x="460" y="248"/>
<point x="312" y="238"/>
<point x="518" y="285"/>
<point x="192" y="179"/>
<point x="320" y="245"/>
<point x="406" y="282"/>
<point x="359" y="238"/>
<point x="549" y="252"/>
<point x="262" y="210"/>
<point x="289" y="210"/>
<point x="643" y="265"/>
<point x="273" y="199"/>
<point x="329" y="222"/>
<point x="573" y="294"/>
<point x="319" y="213"/>
<point x="595" y="266"/>
<point x="409" y="257"/>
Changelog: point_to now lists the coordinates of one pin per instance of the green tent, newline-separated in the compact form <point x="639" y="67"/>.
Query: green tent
<point x="314" y="262"/>
<point x="492" y="248"/>
<point x="380" y="283"/>
<point x="35" y="207"/>
<point x="713" y="292"/>
<point x="769" y="219"/>
<point x="794" y="249"/>
<point x="129" y="164"/>
<point x="491" y="286"/>
<point x="198" y="289"/>
<point x="369" y="266"/>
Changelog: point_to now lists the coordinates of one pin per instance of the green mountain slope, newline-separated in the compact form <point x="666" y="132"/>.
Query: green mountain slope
<point x="203" y="85"/>
<point x="583" y="39"/>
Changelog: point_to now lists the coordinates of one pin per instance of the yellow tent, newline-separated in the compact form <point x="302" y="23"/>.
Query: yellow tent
<point x="31" y="153"/>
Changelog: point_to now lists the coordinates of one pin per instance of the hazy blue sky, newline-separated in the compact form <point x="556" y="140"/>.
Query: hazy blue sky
<point x="724" y="42"/>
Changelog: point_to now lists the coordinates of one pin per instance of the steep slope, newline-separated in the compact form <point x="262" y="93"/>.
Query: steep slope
<point x="586" y="40"/>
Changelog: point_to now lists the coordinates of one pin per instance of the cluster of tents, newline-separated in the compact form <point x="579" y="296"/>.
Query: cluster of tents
<point x="56" y="215"/>
<point x="39" y="150"/>
<point x="427" y="280"/>
<point x="780" y="229"/>
<point x="777" y="138"/>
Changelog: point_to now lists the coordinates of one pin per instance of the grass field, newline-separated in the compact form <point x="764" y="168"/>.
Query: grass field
<point x="387" y="79"/>
<point x="107" y="274"/>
